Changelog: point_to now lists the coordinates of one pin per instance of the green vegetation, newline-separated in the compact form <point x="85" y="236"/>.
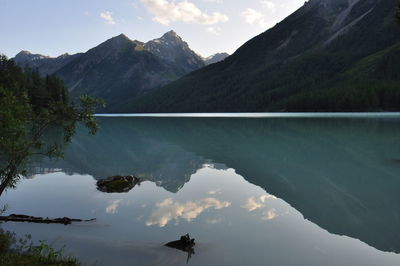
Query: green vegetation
<point x="301" y="64"/>
<point x="30" y="106"/>
<point x="372" y="84"/>
<point x="20" y="253"/>
<point x="398" y="12"/>
<point x="117" y="185"/>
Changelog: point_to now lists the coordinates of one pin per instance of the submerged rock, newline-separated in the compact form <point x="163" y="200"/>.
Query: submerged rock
<point x="118" y="184"/>
<point x="185" y="244"/>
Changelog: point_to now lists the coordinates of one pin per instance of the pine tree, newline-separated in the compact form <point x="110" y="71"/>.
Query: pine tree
<point x="398" y="12"/>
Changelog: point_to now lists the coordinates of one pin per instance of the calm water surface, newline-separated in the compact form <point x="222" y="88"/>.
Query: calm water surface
<point x="253" y="190"/>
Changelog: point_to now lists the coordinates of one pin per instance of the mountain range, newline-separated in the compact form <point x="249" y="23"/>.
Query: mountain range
<point x="215" y="58"/>
<point x="329" y="55"/>
<point x="120" y="68"/>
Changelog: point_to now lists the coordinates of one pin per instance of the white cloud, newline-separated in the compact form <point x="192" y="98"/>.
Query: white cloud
<point x="107" y="16"/>
<point x="169" y="210"/>
<point x="259" y="17"/>
<point x="214" y="31"/>
<point x="251" y="16"/>
<point x="268" y="5"/>
<point x="165" y="12"/>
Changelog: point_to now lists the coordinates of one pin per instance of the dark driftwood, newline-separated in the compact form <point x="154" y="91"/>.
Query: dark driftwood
<point x="33" y="219"/>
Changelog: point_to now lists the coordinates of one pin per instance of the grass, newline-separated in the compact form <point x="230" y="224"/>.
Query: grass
<point x="17" y="259"/>
<point x="15" y="253"/>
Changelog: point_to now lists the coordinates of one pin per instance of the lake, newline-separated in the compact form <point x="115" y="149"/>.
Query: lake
<point x="262" y="189"/>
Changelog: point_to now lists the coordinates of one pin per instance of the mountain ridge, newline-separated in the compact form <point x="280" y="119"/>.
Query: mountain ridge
<point x="119" y="68"/>
<point x="305" y="52"/>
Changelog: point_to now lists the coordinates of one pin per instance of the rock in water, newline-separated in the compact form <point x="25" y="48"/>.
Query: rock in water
<point x="184" y="244"/>
<point x="118" y="184"/>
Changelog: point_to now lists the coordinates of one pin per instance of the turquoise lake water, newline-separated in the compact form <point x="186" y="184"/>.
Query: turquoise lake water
<point x="252" y="189"/>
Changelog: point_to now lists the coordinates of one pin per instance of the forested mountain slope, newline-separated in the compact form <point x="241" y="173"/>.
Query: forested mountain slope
<point x="330" y="55"/>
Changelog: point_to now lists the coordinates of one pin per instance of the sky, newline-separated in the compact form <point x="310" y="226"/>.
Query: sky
<point x="55" y="27"/>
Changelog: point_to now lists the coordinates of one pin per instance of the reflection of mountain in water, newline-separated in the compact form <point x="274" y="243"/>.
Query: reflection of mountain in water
<point x="122" y="149"/>
<point x="341" y="174"/>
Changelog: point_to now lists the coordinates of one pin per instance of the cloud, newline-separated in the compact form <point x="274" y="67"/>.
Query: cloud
<point x="268" y="5"/>
<point x="169" y="210"/>
<point x="165" y="12"/>
<point x="214" y="31"/>
<point x="113" y="207"/>
<point x="252" y="17"/>
<point x="107" y="16"/>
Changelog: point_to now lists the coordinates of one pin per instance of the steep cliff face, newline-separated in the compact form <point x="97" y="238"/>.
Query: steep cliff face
<point x="172" y="48"/>
<point x="311" y="50"/>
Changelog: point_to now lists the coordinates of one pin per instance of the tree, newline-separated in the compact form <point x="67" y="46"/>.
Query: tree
<point x="398" y="12"/>
<point x="30" y="106"/>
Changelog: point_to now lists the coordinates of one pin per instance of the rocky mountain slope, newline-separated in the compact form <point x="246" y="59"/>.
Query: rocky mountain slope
<point x="330" y="55"/>
<point x="46" y="65"/>
<point x="119" y="68"/>
<point x="215" y="58"/>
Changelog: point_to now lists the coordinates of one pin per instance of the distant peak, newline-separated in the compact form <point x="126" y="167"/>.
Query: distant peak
<point x="24" y="52"/>
<point x="171" y="34"/>
<point x="118" y="40"/>
<point x="64" y="55"/>
<point x="122" y="36"/>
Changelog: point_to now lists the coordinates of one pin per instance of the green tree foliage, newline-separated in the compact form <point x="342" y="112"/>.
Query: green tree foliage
<point x="30" y="106"/>
<point x="398" y="12"/>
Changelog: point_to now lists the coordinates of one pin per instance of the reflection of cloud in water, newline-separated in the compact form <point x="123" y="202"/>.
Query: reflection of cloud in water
<point x="215" y="192"/>
<point x="169" y="210"/>
<point x="113" y="207"/>
<point x="269" y="215"/>
<point x="215" y="221"/>
<point x="253" y="204"/>
<point x="264" y="198"/>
